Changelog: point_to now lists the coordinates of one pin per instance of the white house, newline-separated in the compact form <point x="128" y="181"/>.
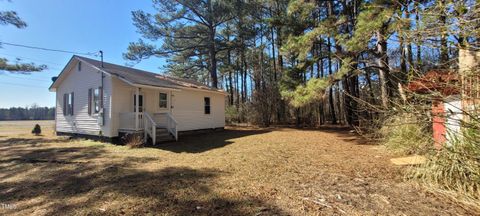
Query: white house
<point x="103" y="100"/>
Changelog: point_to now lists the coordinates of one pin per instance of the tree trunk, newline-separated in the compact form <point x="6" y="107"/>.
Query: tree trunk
<point x="244" y="81"/>
<point x="212" y="52"/>
<point x="237" y="83"/>
<point x="443" y="37"/>
<point x="230" y="83"/>
<point x="409" y="43"/>
<point x="330" y="73"/>
<point x="403" y="63"/>
<point x="383" y="73"/>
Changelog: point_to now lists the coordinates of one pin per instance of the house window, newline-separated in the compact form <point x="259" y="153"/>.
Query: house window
<point x="79" y="66"/>
<point x="94" y="100"/>
<point x="163" y="100"/>
<point x="68" y="104"/>
<point x="207" y="105"/>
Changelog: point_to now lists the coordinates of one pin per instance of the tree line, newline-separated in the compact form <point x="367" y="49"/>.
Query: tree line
<point x="33" y="112"/>
<point x="306" y="62"/>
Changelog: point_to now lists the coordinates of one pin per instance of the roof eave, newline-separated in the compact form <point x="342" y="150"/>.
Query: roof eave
<point x="154" y="87"/>
<point x="204" y="90"/>
<point x="53" y="85"/>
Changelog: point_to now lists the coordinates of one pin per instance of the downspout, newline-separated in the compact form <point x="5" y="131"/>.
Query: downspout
<point x="103" y="102"/>
<point x="103" y="93"/>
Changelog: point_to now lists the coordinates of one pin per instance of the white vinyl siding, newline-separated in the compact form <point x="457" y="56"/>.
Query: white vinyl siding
<point x="187" y="106"/>
<point x="79" y="82"/>
<point x="189" y="110"/>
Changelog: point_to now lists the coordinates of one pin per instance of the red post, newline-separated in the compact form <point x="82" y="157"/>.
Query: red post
<point x="439" y="128"/>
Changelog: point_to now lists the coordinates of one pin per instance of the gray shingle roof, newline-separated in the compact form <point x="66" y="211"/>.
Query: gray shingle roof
<point x="141" y="77"/>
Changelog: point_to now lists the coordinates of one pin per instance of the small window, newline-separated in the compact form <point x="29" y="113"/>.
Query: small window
<point x="207" y="105"/>
<point x="96" y="100"/>
<point x="71" y="103"/>
<point x="68" y="104"/>
<point x="163" y="100"/>
<point x="79" y="66"/>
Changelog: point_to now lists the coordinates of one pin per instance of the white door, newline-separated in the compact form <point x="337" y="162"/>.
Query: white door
<point x="140" y="105"/>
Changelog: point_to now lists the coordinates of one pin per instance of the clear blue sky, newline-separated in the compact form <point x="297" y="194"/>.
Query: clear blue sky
<point x="81" y="26"/>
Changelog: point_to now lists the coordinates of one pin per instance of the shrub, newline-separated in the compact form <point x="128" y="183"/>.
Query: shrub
<point x="242" y="114"/>
<point x="37" y="130"/>
<point x="231" y="114"/>
<point x="405" y="135"/>
<point x="455" y="168"/>
<point x="133" y="140"/>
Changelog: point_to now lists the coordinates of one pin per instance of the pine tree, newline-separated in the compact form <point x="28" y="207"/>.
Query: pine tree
<point x="188" y="31"/>
<point x="11" y="18"/>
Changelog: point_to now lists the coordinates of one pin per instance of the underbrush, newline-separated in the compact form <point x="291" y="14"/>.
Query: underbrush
<point x="133" y="141"/>
<point x="241" y="114"/>
<point x="404" y="134"/>
<point x="455" y="169"/>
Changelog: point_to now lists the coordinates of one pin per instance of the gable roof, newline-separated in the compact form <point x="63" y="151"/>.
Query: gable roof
<point x="138" y="77"/>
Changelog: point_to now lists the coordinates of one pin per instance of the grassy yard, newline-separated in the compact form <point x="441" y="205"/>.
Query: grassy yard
<point x="239" y="171"/>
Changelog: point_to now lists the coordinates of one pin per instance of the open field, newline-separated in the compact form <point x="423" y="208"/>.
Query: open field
<point x="25" y="127"/>
<point x="239" y="171"/>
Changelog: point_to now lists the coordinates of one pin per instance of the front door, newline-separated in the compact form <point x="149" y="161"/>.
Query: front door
<point x="140" y="104"/>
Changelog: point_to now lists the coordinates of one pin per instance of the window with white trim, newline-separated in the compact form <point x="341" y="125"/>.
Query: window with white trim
<point x="96" y="100"/>
<point x="68" y="104"/>
<point x="163" y="101"/>
<point x="206" y="105"/>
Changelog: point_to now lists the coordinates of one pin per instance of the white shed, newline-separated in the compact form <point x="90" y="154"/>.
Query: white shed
<point x="99" y="100"/>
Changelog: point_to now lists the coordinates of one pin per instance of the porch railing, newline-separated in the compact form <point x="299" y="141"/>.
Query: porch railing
<point x="149" y="122"/>
<point x="166" y="120"/>
<point x="127" y="121"/>
<point x="150" y="128"/>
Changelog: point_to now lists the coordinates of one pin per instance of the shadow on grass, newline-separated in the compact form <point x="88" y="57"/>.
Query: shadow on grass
<point x="30" y="141"/>
<point x="197" y="143"/>
<point x="89" y="180"/>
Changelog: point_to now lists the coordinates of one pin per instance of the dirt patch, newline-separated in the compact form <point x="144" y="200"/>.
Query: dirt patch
<point x="239" y="171"/>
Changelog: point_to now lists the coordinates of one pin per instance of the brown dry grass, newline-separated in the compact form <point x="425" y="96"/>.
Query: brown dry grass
<point x="13" y="128"/>
<point x="239" y="171"/>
